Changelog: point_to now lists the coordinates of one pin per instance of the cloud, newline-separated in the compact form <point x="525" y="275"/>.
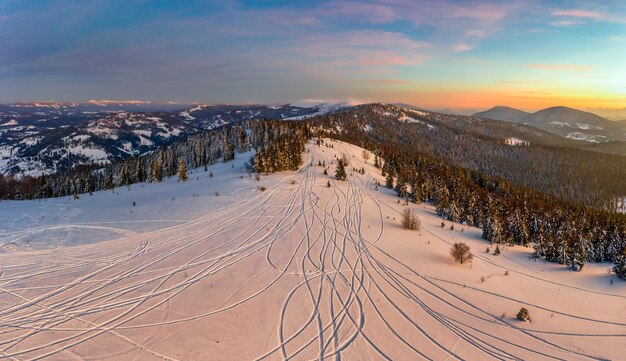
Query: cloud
<point x="566" y="67"/>
<point x="362" y="48"/>
<point x="565" y="23"/>
<point x="588" y="15"/>
<point x="577" y="13"/>
<point x="462" y="47"/>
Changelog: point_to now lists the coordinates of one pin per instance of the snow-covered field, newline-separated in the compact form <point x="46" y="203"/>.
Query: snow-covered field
<point x="299" y="271"/>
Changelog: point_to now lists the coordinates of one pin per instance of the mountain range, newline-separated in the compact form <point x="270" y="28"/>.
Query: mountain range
<point x="45" y="137"/>
<point x="566" y="122"/>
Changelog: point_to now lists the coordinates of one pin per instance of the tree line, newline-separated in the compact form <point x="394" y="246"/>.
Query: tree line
<point x="278" y="144"/>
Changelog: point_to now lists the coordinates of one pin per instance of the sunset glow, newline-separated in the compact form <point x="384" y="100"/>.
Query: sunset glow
<point x="441" y="54"/>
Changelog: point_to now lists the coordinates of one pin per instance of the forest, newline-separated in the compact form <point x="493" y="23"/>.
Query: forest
<point x="279" y="141"/>
<point x="550" y="164"/>
<point x="561" y="230"/>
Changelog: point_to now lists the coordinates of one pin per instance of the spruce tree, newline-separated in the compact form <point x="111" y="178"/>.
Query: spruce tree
<point x="340" y="173"/>
<point x="182" y="170"/>
<point x="389" y="181"/>
<point x="620" y="265"/>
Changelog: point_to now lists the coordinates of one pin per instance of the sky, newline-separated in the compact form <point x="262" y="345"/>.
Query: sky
<point x="436" y="54"/>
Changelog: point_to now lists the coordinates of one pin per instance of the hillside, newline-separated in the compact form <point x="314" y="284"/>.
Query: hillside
<point x="566" y="122"/>
<point x="549" y="164"/>
<point x="504" y="113"/>
<point x="300" y="270"/>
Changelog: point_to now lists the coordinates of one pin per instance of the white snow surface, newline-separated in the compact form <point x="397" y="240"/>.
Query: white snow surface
<point x="300" y="271"/>
<point x="515" y="141"/>
<point x="585" y="137"/>
<point x="10" y="123"/>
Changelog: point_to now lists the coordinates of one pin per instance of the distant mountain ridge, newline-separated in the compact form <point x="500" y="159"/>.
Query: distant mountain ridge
<point x="504" y="113"/>
<point x="566" y="122"/>
<point x="45" y="137"/>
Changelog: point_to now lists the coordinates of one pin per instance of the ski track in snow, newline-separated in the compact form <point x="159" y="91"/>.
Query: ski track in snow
<point x="342" y="294"/>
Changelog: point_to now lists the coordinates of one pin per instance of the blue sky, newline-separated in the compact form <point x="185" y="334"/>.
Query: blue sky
<point x="455" y="54"/>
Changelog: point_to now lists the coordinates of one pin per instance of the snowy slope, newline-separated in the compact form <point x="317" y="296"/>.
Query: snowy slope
<point x="299" y="271"/>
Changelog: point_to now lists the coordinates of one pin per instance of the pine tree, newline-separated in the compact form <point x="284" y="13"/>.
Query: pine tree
<point x="340" y="173"/>
<point x="620" y="265"/>
<point x="182" y="170"/>
<point x="156" y="173"/>
<point x="389" y="181"/>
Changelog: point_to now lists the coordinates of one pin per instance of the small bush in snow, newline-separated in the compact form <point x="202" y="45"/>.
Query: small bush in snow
<point x="523" y="315"/>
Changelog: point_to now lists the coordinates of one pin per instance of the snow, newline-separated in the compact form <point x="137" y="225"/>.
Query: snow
<point x="141" y="132"/>
<point x="186" y="115"/>
<point x="81" y="138"/>
<point x="560" y="124"/>
<point x="105" y="102"/>
<point x="325" y="103"/>
<point x="418" y="112"/>
<point x="103" y="132"/>
<point x="10" y="123"/>
<point x="588" y="126"/>
<point x="197" y="108"/>
<point x="322" y="106"/>
<point x="95" y="154"/>
<point x="515" y="141"/>
<point x="30" y="140"/>
<point x="158" y="205"/>
<point x="408" y="119"/>
<point x="145" y="141"/>
<point x="585" y="137"/>
<point x="189" y="275"/>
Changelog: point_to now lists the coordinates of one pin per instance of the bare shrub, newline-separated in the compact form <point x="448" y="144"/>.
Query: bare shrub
<point x="460" y="252"/>
<point x="410" y="220"/>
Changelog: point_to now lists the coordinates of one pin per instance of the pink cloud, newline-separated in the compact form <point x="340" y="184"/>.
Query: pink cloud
<point x="462" y="47"/>
<point x="588" y="14"/>
<point x="565" y="23"/>
<point x="571" y="67"/>
<point x="577" y="13"/>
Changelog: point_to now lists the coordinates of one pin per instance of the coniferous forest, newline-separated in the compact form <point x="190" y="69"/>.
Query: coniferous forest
<point x="563" y="231"/>
<point x="278" y="144"/>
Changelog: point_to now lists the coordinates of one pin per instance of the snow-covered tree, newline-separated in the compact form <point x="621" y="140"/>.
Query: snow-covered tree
<point x="340" y="173"/>
<point x="620" y="265"/>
